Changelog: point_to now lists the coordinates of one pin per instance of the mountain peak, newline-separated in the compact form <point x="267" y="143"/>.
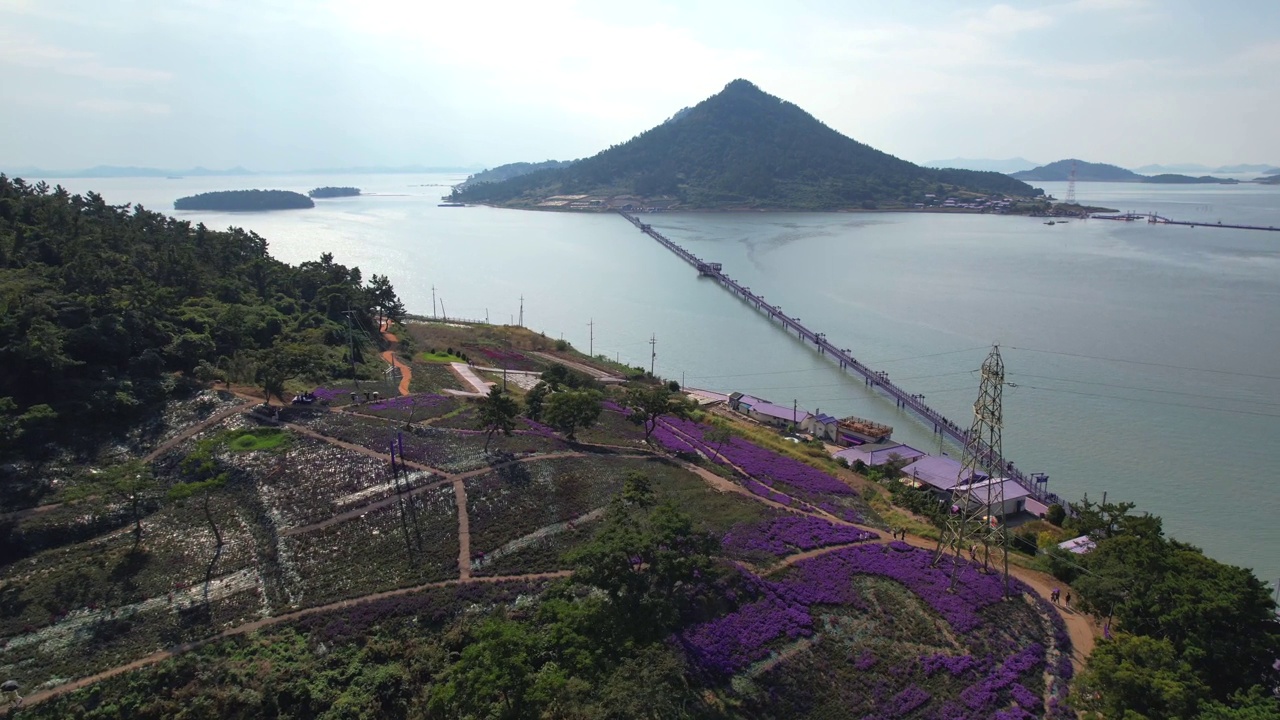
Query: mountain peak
<point x="740" y="85"/>
<point x="741" y="148"/>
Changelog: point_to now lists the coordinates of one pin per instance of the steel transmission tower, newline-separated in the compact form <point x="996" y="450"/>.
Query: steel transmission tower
<point x="976" y="515"/>
<point x="1071" y="185"/>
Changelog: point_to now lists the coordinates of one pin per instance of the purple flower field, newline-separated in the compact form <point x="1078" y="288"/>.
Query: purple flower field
<point x="788" y="534"/>
<point x="767" y="469"/>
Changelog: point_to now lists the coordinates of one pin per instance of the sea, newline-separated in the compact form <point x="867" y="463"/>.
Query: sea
<point x="1142" y="361"/>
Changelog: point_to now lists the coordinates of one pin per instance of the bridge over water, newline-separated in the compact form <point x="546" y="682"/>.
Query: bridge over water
<point x="1035" y="483"/>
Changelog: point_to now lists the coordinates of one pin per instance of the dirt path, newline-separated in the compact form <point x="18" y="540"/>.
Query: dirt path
<point x="406" y="374"/>
<point x="464" y="530"/>
<point x="597" y="373"/>
<point x="150" y="457"/>
<point x="196" y="429"/>
<point x="256" y="625"/>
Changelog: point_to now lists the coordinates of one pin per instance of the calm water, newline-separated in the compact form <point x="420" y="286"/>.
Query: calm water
<point x="1185" y="427"/>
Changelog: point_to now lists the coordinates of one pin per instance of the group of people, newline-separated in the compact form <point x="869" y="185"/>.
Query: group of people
<point x="1056" y="597"/>
<point x="900" y="534"/>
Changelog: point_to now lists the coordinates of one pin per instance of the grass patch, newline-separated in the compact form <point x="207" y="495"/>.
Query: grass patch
<point x="253" y="439"/>
<point x="438" y="356"/>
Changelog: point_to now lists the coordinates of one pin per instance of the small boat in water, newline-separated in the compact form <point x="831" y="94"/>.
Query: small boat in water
<point x="452" y="204"/>
<point x="1051" y="223"/>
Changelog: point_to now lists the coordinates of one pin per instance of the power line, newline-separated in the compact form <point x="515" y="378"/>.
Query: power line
<point x="1151" y="364"/>
<point x="919" y="357"/>
<point x="1155" y="390"/>
<point x="1151" y="402"/>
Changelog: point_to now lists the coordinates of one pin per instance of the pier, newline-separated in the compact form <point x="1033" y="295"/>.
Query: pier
<point x="1155" y="219"/>
<point x="1035" y="483"/>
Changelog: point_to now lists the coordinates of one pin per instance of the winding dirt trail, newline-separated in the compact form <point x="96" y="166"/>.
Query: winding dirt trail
<point x="256" y="625"/>
<point x="406" y="374"/>
<point x="464" y="530"/>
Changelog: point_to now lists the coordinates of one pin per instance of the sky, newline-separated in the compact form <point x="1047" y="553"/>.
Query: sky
<point x="297" y="84"/>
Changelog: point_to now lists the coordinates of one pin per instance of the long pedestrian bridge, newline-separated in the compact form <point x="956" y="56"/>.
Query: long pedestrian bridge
<point x="1035" y="483"/>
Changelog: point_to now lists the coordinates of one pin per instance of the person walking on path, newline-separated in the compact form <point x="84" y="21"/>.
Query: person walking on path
<point x="1068" y="603"/>
<point x="1054" y="595"/>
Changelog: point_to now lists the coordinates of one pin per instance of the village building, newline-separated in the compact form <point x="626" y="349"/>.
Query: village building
<point x="939" y="473"/>
<point x="875" y="456"/>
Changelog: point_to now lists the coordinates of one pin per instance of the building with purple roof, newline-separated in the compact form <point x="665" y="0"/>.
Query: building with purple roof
<point x="940" y="473"/>
<point x="877" y="455"/>
<point x="987" y="494"/>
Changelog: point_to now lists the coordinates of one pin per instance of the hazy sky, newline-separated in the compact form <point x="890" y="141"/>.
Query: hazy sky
<point x="282" y="84"/>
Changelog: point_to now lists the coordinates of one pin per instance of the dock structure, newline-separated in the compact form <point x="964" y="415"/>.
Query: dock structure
<point x="1155" y="219"/>
<point x="1035" y="483"/>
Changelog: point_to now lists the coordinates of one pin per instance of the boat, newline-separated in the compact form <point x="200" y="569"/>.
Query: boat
<point x="1051" y="223"/>
<point x="452" y="204"/>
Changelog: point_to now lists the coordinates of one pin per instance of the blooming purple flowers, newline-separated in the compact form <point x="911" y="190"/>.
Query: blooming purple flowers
<point x="766" y="468"/>
<point x="408" y="402"/>
<point x="787" y="534"/>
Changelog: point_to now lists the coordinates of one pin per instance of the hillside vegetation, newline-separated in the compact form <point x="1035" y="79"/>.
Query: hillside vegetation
<point x="245" y="200"/>
<point x="1085" y="171"/>
<point x="512" y="170"/>
<point x="746" y="148"/>
<point x="102" y="303"/>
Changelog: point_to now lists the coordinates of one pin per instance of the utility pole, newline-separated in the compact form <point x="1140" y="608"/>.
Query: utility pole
<point x="433" y="301"/>
<point x="522" y="311"/>
<point x="795" y="413"/>
<point x="591" y="344"/>
<point x="653" y="352"/>
<point x="443" y="313"/>
<point x="351" y="339"/>
<point x="486" y="316"/>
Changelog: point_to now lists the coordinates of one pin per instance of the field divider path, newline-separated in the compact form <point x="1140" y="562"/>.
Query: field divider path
<point x="267" y="622"/>
<point x="464" y="529"/>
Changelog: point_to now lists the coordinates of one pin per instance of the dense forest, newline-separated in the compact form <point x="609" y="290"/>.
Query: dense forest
<point x="244" y="200"/>
<point x="745" y="147"/>
<point x="1185" y="636"/>
<point x="102" y="303"/>
<point x="332" y="192"/>
<point x="511" y="170"/>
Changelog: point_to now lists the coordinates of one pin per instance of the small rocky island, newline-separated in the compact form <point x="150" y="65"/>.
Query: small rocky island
<point x="333" y="192"/>
<point x="244" y="200"/>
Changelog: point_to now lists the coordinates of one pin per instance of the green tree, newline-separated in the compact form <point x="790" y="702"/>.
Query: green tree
<point x="1133" y="676"/>
<point x="650" y="562"/>
<point x="534" y="400"/>
<point x="498" y="413"/>
<point x="492" y="675"/>
<point x="134" y="484"/>
<point x="281" y="363"/>
<point x="649" y="404"/>
<point x="571" y="410"/>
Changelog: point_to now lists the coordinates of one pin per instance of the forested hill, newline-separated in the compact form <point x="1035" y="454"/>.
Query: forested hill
<point x="1085" y="172"/>
<point x="100" y="304"/>
<point x="245" y="200"/>
<point x="511" y="170"/>
<point x="746" y="148"/>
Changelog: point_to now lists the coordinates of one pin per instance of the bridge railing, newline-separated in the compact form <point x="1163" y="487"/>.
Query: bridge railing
<point x="995" y="462"/>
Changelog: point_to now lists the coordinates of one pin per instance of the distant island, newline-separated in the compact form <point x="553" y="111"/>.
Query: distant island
<point x="245" y="200"/>
<point x="333" y="192"/>
<point x="1012" y="165"/>
<point x="744" y="149"/>
<point x="1060" y="171"/>
<point x="1175" y="179"/>
<point x="1272" y="180"/>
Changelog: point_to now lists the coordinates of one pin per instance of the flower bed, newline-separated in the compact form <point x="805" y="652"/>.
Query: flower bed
<point x="775" y="474"/>
<point x="449" y="450"/>
<point x="402" y="408"/>
<point x="787" y="534"/>
<point x="415" y="545"/>
<point x="489" y="356"/>
<point x="302" y="485"/>
<point x="512" y="502"/>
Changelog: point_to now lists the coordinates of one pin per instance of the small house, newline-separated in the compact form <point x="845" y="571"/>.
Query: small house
<point x="940" y="473"/>
<point x="880" y="455"/>
<point x="999" y="497"/>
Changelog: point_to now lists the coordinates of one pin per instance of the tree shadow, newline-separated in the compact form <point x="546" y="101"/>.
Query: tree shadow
<point x="514" y="474"/>
<point x="124" y="574"/>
